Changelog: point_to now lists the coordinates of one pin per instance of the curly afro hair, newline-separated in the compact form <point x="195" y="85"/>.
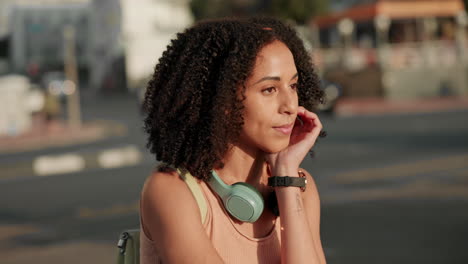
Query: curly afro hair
<point x="192" y="103"/>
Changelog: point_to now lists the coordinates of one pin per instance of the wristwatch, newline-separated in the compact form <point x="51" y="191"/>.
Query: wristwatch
<point x="286" y="181"/>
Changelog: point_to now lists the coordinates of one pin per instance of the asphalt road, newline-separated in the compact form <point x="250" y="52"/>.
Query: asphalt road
<point x="394" y="189"/>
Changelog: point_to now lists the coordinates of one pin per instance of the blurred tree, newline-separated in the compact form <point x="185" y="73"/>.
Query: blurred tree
<point x="208" y="8"/>
<point x="466" y="5"/>
<point x="220" y="8"/>
<point x="297" y="10"/>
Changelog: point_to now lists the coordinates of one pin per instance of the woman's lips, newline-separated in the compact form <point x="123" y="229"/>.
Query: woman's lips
<point x="286" y="129"/>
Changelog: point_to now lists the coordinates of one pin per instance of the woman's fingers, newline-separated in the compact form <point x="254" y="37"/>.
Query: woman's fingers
<point x="309" y="118"/>
<point x="312" y="123"/>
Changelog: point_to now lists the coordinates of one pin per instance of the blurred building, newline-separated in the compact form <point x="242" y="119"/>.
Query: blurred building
<point x="35" y="44"/>
<point x="148" y="26"/>
<point x="340" y="5"/>
<point x="118" y="42"/>
<point x="4" y="37"/>
<point x="36" y="35"/>
<point x="395" y="49"/>
<point x="108" y="54"/>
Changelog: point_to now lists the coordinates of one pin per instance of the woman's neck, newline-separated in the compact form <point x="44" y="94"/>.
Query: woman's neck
<point x="243" y="166"/>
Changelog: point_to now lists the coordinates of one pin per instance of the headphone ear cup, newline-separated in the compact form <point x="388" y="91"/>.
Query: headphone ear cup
<point x="244" y="202"/>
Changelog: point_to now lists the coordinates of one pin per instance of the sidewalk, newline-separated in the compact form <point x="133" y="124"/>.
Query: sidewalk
<point x="380" y="106"/>
<point x="70" y="253"/>
<point x="79" y="252"/>
<point x="59" y="134"/>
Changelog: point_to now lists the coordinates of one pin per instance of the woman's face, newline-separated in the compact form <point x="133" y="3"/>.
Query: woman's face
<point x="271" y="100"/>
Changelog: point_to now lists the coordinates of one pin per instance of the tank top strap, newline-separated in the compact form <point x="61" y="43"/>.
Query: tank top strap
<point x="195" y="189"/>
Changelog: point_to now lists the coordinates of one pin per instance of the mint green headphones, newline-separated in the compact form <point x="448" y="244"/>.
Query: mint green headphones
<point x="241" y="200"/>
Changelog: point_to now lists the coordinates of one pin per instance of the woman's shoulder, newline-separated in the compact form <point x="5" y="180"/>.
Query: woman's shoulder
<point x="165" y="185"/>
<point x="162" y="192"/>
<point x="167" y="180"/>
<point x="172" y="220"/>
<point x="161" y="180"/>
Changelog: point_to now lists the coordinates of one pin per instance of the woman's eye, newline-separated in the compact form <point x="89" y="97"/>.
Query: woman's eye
<point x="268" y="90"/>
<point x="294" y="86"/>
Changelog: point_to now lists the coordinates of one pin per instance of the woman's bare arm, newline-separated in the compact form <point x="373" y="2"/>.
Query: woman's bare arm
<point x="172" y="219"/>
<point x="311" y="200"/>
<point x="300" y="236"/>
<point x="298" y="244"/>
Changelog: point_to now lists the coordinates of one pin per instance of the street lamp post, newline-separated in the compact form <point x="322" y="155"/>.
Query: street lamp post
<point x="382" y="25"/>
<point x="462" y="21"/>
<point x="71" y="73"/>
<point x="461" y="37"/>
<point x="346" y="29"/>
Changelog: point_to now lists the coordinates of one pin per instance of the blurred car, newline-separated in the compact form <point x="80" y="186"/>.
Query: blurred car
<point x="332" y="92"/>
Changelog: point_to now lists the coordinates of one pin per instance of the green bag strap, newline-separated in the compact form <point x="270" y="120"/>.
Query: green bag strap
<point x="196" y="191"/>
<point x="129" y="247"/>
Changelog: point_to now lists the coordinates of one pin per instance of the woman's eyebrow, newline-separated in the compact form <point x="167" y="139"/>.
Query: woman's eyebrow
<point x="274" y="78"/>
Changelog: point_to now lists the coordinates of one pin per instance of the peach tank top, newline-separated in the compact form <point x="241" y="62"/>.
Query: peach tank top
<point x="230" y="243"/>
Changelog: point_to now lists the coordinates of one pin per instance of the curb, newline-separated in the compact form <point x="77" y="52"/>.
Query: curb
<point x="379" y="106"/>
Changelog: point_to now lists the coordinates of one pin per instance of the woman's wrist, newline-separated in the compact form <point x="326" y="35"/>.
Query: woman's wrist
<point x="282" y="192"/>
<point x="284" y="170"/>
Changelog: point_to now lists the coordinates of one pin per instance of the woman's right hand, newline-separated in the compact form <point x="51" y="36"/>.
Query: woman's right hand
<point x="303" y="138"/>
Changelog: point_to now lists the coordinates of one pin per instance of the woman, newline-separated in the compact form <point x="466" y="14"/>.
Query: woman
<point x="229" y="98"/>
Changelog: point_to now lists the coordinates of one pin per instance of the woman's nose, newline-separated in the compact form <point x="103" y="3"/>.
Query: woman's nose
<point x="288" y="101"/>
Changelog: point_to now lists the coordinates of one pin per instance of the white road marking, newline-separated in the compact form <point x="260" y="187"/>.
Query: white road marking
<point x="119" y="157"/>
<point x="58" y="164"/>
<point x="70" y="162"/>
<point x="402" y="170"/>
